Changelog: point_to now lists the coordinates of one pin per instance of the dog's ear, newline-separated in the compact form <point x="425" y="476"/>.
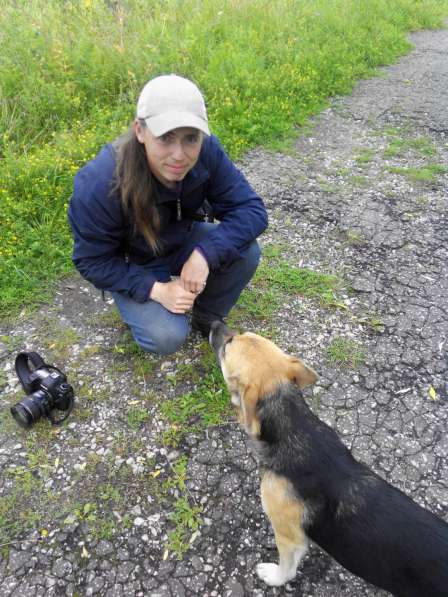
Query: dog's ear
<point x="301" y="374"/>
<point x="249" y="400"/>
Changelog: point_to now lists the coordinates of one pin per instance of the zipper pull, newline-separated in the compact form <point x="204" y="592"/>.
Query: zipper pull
<point x="179" y="210"/>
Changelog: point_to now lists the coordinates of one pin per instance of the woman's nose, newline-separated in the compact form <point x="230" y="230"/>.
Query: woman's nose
<point x="178" y="151"/>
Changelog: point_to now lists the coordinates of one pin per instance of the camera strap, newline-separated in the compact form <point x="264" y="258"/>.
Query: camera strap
<point x="23" y="368"/>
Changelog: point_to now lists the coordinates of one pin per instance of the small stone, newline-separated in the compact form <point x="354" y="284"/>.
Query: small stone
<point x="138" y="522"/>
<point x="104" y="547"/>
<point x="62" y="568"/>
<point x="17" y="559"/>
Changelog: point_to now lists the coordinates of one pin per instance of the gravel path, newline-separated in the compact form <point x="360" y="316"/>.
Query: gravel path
<point x="85" y="509"/>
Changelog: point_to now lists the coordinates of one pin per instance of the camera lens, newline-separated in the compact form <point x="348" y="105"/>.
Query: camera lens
<point x="22" y="415"/>
<point x="27" y="411"/>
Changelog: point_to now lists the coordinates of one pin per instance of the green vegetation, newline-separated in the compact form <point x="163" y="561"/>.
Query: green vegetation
<point x="12" y="342"/>
<point x="59" y="341"/>
<point x="275" y="280"/>
<point x="354" y="238"/>
<point x="364" y="156"/>
<point x="207" y="404"/>
<point x="185" y="517"/>
<point x="130" y="355"/>
<point x="70" y="74"/>
<point x="136" y="416"/>
<point x="419" y="145"/>
<point x="428" y="173"/>
<point x="345" y="353"/>
<point x="18" y="510"/>
<point x="373" y="323"/>
<point x="358" y="181"/>
<point x="26" y="503"/>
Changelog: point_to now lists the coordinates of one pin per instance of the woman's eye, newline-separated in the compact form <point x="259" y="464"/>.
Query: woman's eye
<point x="166" y="138"/>
<point x="192" y="139"/>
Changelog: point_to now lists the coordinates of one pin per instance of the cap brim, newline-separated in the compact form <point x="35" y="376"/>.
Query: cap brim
<point x="163" y="123"/>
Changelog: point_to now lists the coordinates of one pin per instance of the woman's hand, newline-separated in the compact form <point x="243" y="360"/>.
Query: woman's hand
<point x="193" y="276"/>
<point x="173" y="296"/>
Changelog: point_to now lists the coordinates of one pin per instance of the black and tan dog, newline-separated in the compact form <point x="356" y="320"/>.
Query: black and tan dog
<point x="312" y="487"/>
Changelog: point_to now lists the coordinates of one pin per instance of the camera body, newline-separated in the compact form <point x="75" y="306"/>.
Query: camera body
<point x="47" y="390"/>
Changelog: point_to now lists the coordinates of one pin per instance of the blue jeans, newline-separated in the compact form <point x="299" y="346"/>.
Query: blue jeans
<point x="157" y="330"/>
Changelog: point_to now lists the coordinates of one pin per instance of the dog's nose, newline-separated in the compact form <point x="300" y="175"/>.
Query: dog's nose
<point x="214" y="330"/>
<point x="215" y="325"/>
<point x="218" y="331"/>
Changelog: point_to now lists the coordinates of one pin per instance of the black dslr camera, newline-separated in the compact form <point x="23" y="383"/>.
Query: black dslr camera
<point x="47" y="390"/>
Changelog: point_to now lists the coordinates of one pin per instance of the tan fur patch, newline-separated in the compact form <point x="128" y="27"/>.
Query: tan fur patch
<point x="285" y="511"/>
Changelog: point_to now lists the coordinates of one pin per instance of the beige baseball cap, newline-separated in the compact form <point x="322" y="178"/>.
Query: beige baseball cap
<point x="169" y="102"/>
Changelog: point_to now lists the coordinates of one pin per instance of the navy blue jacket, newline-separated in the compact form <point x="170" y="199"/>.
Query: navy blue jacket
<point x="103" y="236"/>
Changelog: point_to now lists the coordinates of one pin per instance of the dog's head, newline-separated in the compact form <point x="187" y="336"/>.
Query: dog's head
<point x="253" y="367"/>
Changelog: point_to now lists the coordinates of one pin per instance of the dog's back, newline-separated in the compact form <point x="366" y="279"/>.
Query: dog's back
<point x="370" y="527"/>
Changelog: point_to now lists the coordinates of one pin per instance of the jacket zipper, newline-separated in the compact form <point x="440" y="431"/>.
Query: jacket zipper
<point x="179" y="210"/>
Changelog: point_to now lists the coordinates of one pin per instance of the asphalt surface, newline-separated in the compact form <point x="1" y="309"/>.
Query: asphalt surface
<point x="343" y="202"/>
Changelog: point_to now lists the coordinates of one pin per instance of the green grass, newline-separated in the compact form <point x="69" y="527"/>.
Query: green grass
<point x="354" y="238"/>
<point x="25" y="502"/>
<point x="364" y="156"/>
<point x="71" y="71"/>
<point x="428" y="173"/>
<point x="136" y="416"/>
<point x="129" y="355"/>
<point x="420" y="145"/>
<point x="186" y="514"/>
<point x="275" y="280"/>
<point x="17" y="509"/>
<point x="186" y="519"/>
<point x="345" y="353"/>
<point x="284" y="276"/>
<point x="206" y="405"/>
<point x="358" y="180"/>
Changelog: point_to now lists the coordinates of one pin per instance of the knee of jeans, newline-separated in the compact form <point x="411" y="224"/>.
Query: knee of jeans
<point x="163" y="341"/>
<point x="252" y="255"/>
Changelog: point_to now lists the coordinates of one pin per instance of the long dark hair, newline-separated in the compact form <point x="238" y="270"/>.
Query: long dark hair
<point x="136" y="187"/>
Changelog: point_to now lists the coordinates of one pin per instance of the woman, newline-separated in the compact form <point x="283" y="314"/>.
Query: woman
<point x="134" y="218"/>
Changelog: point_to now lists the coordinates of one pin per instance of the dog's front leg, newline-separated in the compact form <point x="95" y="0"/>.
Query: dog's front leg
<point x="285" y="511"/>
<point x="276" y="575"/>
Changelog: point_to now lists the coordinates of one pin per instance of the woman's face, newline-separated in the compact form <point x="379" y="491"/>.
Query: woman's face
<point x="171" y="156"/>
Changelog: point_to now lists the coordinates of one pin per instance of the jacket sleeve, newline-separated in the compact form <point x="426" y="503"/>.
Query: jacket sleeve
<point x="99" y="230"/>
<point x="241" y="213"/>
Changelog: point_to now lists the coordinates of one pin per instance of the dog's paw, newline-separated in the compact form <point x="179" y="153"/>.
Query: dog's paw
<point x="270" y="574"/>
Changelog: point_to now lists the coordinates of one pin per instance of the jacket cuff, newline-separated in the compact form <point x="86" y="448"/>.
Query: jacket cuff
<point x="202" y="252"/>
<point x="208" y="251"/>
<point x="142" y="292"/>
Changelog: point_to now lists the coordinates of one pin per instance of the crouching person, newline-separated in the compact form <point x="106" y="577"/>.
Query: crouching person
<point x="134" y="218"/>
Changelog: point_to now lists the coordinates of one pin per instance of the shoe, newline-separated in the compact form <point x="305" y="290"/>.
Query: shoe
<point x="202" y="324"/>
